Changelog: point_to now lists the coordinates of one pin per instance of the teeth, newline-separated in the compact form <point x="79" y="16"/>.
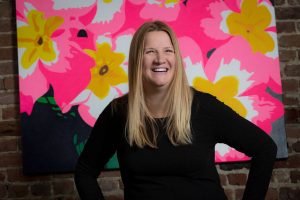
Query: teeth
<point x="160" y="69"/>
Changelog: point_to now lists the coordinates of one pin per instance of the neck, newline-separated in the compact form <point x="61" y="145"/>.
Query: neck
<point x="156" y="101"/>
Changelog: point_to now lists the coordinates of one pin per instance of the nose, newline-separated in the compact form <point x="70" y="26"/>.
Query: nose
<point x="160" y="58"/>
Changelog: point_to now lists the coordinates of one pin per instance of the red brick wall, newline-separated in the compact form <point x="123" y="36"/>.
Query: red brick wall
<point x="285" y="182"/>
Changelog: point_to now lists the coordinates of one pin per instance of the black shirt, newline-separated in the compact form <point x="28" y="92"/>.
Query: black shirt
<point x="175" y="172"/>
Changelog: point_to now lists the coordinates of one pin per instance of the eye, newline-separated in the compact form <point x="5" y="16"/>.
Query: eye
<point x="169" y="50"/>
<point x="149" y="51"/>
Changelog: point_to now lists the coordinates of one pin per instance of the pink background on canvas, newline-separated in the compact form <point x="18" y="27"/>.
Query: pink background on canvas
<point x="197" y="26"/>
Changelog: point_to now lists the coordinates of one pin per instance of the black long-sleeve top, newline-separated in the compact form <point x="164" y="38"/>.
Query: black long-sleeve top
<point x="184" y="172"/>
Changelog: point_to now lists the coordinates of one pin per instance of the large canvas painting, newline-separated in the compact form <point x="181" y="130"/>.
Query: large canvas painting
<point x="73" y="60"/>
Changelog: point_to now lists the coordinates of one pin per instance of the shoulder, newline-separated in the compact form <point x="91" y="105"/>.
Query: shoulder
<point x="213" y="106"/>
<point x="114" y="111"/>
<point x="119" y="105"/>
<point x="206" y="103"/>
<point x="119" y="101"/>
<point x="203" y="98"/>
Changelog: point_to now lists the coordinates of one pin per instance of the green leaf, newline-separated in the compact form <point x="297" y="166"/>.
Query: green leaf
<point x="42" y="100"/>
<point x="113" y="162"/>
<point x="55" y="108"/>
<point x="75" y="139"/>
<point x="81" y="146"/>
<point x="51" y="100"/>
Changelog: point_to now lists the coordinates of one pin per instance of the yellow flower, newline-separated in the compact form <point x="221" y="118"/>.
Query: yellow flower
<point x="251" y="23"/>
<point x="171" y="1"/>
<point x="36" y="38"/>
<point x="168" y="3"/>
<point x="225" y="90"/>
<point x="107" y="71"/>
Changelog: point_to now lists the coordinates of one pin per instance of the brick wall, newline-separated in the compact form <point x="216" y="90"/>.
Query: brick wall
<point x="285" y="182"/>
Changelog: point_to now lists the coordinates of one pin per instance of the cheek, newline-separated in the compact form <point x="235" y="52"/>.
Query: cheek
<point x="145" y="69"/>
<point x="174" y="66"/>
<point x="172" y="61"/>
<point x="146" y="63"/>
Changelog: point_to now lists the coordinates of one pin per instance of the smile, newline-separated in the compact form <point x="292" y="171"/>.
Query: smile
<point x="161" y="69"/>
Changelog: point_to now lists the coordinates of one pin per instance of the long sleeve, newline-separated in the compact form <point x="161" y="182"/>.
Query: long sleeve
<point x="246" y="137"/>
<point x="101" y="145"/>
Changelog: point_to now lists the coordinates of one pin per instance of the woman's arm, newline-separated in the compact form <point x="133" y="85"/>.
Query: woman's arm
<point x="101" y="145"/>
<point x="246" y="137"/>
<point x="86" y="182"/>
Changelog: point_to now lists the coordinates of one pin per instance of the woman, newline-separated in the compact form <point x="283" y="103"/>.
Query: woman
<point x="164" y="132"/>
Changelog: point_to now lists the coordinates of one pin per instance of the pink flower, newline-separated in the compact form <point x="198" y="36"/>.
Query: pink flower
<point x="111" y="79"/>
<point x="265" y="70"/>
<point x="98" y="16"/>
<point x="165" y="10"/>
<point x="69" y="84"/>
<point x="39" y="48"/>
<point x="69" y="67"/>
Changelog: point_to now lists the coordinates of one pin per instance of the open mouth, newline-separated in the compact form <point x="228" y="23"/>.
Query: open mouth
<point x="160" y="69"/>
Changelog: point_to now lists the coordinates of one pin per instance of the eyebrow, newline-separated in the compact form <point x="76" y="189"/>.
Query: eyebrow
<point x="151" y="48"/>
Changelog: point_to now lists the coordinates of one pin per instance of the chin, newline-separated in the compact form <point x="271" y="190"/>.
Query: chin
<point x="165" y="85"/>
<point x="158" y="84"/>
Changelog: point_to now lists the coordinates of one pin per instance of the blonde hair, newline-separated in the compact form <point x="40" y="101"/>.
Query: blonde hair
<point x="141" y="126"/>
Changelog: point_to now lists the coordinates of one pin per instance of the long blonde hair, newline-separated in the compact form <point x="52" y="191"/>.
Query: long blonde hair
<point x="141" y="126"/>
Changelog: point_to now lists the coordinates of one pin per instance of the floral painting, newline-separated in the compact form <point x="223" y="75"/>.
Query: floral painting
<point x="73" y="61"/>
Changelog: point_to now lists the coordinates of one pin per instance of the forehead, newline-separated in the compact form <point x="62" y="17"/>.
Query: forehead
<point x="157" y="39"/>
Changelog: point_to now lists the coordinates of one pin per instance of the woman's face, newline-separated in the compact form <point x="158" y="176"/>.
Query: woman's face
<point x="159" y="61"/>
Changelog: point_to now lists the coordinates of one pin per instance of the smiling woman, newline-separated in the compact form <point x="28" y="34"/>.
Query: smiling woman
<point x="165" y="132"/>
<point x="159" y="61"/>
<point x="154" y="94"/>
